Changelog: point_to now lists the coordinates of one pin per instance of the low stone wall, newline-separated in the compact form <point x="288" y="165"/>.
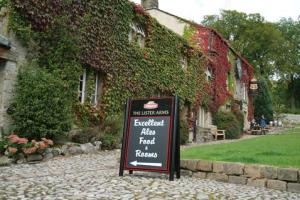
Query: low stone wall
<point x="68" y="149"/>
<point x="285" y="179"/>
<point x="291" y="118"/>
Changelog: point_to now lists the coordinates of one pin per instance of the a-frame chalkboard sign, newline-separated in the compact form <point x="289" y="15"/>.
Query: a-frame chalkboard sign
<point x="151" y="136"/>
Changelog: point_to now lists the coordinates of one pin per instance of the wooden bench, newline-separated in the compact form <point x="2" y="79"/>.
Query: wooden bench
<point x="219" y="133"/>
<point x="256" y="131"/>
<point x="265" y="130"/>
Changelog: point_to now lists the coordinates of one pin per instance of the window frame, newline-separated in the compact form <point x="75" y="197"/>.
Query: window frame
<point x="81" y="93"/>
<point x="137" y="35"/>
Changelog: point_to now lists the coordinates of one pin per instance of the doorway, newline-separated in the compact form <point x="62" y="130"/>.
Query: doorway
<point x="2" y="74"/>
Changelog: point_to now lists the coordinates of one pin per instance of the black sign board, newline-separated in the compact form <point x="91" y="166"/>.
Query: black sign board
<point x="151" y="136"/>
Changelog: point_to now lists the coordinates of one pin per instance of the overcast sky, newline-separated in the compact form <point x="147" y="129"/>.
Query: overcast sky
<point x="194" y="10"/>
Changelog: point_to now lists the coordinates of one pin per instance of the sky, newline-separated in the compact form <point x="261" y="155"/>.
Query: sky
<point x="271" y="10"/>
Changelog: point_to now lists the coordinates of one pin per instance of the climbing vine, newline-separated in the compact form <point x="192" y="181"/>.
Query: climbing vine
<point x="214" y="47"/>
<point x="63" y="36"/>
<point x="222" y="62"/>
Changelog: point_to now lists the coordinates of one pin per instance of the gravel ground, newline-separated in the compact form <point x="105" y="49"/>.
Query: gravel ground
<point x="95" y="176"/>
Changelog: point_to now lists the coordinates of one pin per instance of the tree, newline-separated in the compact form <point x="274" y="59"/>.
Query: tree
<point x="257" y="40"/>
<point x="263" y="102"/>
<point x="289" y="67"/>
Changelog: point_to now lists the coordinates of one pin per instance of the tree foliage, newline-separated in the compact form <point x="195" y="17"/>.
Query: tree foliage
<point x="272" y="48"/>
<point x="289" y="68"/>
<point x="259" y="41"/>
<point x="263" y="102"/>
<point x="41" y="108"/>
<point x="229" y="122"/>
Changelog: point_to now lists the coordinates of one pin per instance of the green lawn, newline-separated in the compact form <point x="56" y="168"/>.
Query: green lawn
<point x="279" y="150"/>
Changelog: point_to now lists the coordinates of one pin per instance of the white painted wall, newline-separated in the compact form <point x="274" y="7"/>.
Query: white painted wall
<point x="169" y="21"/>
<point x="176" y="25"/>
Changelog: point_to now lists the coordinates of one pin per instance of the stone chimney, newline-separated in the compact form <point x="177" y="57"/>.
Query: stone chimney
<point x="149" y="4"/>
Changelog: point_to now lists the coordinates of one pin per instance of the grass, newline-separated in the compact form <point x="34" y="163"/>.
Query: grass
<point x="278" y="150"/>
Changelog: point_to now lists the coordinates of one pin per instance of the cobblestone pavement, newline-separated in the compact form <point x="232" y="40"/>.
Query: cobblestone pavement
<point x="96" y="177"/>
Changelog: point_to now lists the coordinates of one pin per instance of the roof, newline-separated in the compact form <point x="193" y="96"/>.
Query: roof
<point x="211" y="29"/>
<point x="4" y="42"/>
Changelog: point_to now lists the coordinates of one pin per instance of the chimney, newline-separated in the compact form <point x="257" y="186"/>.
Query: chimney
<point x="150" y="4"/>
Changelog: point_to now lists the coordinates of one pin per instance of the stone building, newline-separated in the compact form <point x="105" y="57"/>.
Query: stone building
<point x="12" y="56"/>
<point x="203" y="117"/>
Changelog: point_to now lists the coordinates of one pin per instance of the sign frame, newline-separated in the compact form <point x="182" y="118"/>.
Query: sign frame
<point x="173" y="144"/>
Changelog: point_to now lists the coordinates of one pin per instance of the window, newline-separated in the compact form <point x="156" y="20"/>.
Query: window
<point x="227" y="81"/>
<point x="2" y="74"/>
<point x="238" y="68"/>
<point x="201" y="117"/>
<point x="137" y="35"/>
<point x="244" y="92"/>
<point x="208" y="74"/>
<point x="82" y="83"/>
<point x="241" y="91"/>
<point x="94" y="96"/>
<point x="184" y="62"/>
<point x="238" y="90"/>
<point x="90" y="87"/>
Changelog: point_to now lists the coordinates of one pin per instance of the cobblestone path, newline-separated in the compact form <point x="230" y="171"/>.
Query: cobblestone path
<point x="96" y="177"/>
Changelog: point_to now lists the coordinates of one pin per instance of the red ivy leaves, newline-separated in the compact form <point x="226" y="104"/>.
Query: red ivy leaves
<point x="140" y="10"/>
<point x="216" y="48"/>
<point x="40" y="13"/>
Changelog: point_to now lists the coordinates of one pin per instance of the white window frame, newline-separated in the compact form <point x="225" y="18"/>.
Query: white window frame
<point x="244" y="92"/>
<point x="184" y="62"/>
<point x="239" y="68"/>
<point x="227" y="81"/>
<point x="94" y="97"/>
<point x="140" y="37"/>
<point x="208" y="74"/>
<point x="82" y="92"/>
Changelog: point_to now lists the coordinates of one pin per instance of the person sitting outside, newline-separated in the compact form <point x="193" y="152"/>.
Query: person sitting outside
<point x="263" y="122"/>
<point x="252" y="124"/>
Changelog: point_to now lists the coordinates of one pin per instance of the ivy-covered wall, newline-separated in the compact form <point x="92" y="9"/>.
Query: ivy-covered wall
<point x="62" y="36"/>
<point x="222" y="60"/>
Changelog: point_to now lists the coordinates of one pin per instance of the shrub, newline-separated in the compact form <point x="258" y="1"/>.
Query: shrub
<point x="87" y="114"/>
<point x="240" y="117"/>
<point x="184" y="132"/>
<point x="85" y="135"/>
<point x="113" y="124"/>
<point x="228" y="122"/>
<point x="42" y="107"/>
<point x="110" y="141"/>
<point x="263" y="102"/>
<point x="3" y="144"/>
<point x="112" y="132"/>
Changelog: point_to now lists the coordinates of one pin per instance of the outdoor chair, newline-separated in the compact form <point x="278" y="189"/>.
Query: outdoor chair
<point x="219" y="133"/>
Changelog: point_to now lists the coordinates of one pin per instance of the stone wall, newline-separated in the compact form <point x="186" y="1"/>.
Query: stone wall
<point x="9" y="76"/>
<point x="285" y="179"/>
<point x="291" y="118"/>
<point x="12" y="61"/>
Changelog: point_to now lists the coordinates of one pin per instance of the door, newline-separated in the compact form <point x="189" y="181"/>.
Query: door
<point x="2" y="74"/>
